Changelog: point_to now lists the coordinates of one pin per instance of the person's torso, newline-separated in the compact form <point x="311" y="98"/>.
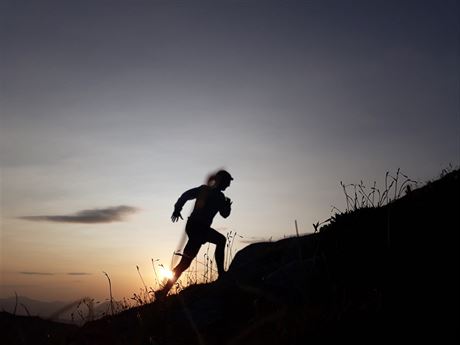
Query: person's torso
<point x="207" y="204"/>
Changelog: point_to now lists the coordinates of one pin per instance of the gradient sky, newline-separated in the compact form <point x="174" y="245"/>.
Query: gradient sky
<point x="111" y="109"/>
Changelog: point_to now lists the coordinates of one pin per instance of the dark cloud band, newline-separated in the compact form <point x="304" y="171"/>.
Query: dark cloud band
<point x="32" y="273"/>
<point x="94" y="216"/>
<point x="37" y="273"/>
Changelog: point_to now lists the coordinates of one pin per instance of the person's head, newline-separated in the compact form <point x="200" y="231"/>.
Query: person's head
<point x="222" y="179"/>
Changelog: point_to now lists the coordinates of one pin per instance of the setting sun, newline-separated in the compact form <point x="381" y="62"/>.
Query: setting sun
<point x="165" y="273"/>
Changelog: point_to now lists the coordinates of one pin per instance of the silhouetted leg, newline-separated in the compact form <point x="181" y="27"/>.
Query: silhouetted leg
<point x="219" y="240"/>
<point x="190" y="251"/>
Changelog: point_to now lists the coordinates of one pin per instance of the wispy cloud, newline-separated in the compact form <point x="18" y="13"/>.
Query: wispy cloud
<point x="34" y="273"/>
<point x="98" y="215"/>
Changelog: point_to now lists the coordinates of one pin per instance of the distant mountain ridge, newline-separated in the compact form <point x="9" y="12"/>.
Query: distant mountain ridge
<point x="25" y="306"/>
<point x="54" y="311"/>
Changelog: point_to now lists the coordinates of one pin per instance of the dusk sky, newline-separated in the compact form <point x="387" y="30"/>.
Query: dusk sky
<point x="111" y="109"/>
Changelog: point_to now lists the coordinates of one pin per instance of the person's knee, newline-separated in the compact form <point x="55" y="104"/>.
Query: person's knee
<point x="182" y="266"/>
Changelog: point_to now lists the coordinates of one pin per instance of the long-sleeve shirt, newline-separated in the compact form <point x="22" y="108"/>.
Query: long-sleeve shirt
<point x="209" y="201"/>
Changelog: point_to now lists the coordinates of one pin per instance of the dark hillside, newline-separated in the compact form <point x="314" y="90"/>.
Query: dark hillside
<point x="374" y="276"/>
<point x="19" y="330"/>
<point x="408" y="253"/>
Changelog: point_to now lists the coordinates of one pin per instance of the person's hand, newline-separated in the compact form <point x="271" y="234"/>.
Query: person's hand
<point x="226" y="208"/>
<point x="175" y="216"/>
<point x="228" y="205"/>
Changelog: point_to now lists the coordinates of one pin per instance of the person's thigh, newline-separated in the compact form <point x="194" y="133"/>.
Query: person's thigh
<point x="215" y="237"/>
<point x="191" y="249"/>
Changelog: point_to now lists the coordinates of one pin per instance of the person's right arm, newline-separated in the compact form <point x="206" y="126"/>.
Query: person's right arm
<point x="188" y="195"/>
<point x="226" y="207"/>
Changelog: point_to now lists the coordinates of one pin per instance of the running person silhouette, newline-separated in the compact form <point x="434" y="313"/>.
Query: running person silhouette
<point x="209" y="201"/>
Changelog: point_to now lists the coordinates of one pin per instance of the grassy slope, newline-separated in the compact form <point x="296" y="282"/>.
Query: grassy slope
<point x="376" y="275"/>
